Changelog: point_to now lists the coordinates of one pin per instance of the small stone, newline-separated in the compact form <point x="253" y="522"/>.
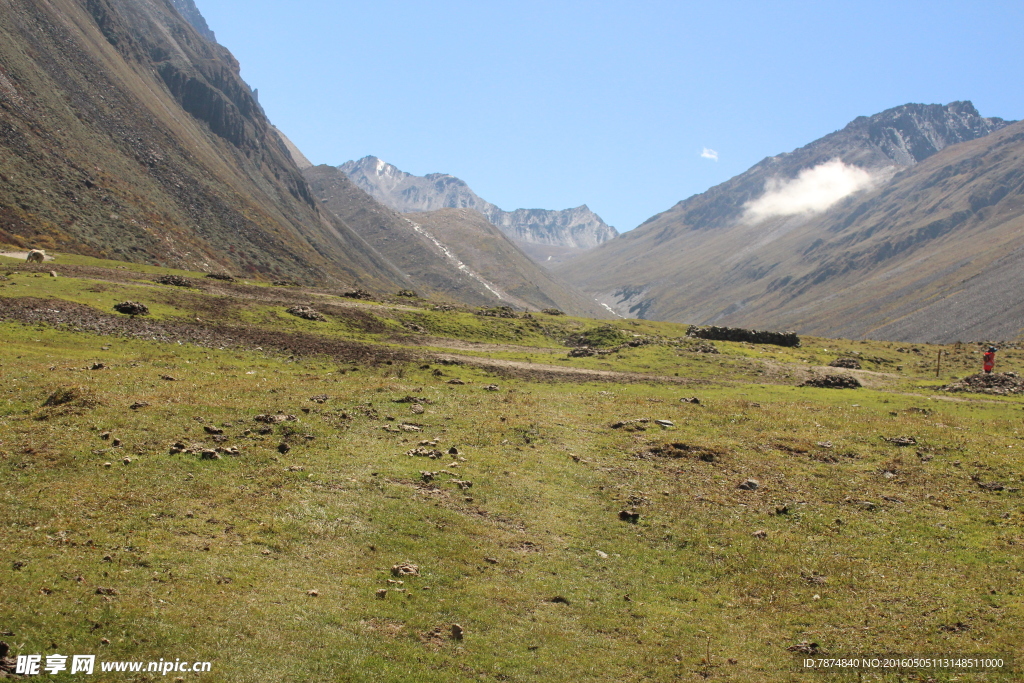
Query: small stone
<point x="212" y="430"/>
<point x="107" y="464"/>
<point x="126" y="461"/>
<point x="313" y="594"/>
<point x="283" y="448"/>
<point x="492" y="387"/>
<point x="115" y="443"/>
<point x="782" y="509"/>
<point x="665" y="423"/>
<point x="104" y="641"/>
<point x="603" y="555"/>
<point x="209" y="454"/>
<point x="382" y="593"/>
<point x="457" y="632"/>
<point x="105" y="435"/>
<point x="761" y="533"/>
<point x="749" y="485"/>
<point x="630" y="516"/>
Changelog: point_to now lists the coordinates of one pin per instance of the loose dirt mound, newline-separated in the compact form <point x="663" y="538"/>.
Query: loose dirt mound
<point x="833" y="382"/>
<point x="999" y="383"/>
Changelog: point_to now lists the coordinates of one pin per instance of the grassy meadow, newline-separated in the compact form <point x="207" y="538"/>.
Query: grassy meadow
<point x="885" y="520"/>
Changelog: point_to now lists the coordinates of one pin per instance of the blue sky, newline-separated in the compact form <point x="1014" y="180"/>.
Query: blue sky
<point x="552" y="104"/>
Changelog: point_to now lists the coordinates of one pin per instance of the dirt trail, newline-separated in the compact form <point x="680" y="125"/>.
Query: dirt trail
<point x="543" y="371"/>
<point x="22" y="255"/>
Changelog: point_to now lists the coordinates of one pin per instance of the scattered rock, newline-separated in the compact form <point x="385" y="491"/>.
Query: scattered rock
<point x="313" y="594"/>
<point x="637" y="425"/>
<point x="138" y="404"/>
<point x="958" y="627"/>
<point x="704" y="347"/>
<point x="306" y="313"/>
<point x="901" y="440"/>
<point x="693" y="399"/>
<point x="630" y="516"/>
<point x="491" y="387"/>
<point x="761" y="533"/>
<point x="559" y="600"/>
<point x="552" y="311"/>
<point x="283" y="448"/>
<point x="991" y="486"/>
<point x="749" y="485"/>
<point x="106" y="591"/>
<point x="805" y="647"/>
<point x="209" y="454"/>
<point x="131" y="308"/>
<point x="382" y="593"/>
<point x="833" y="382"/>
<point x="98" y="366"/>
<point x="221" y="276"/>
<point x="582" y="352"/>
<point x="174" y="280"/>
<point x="319" y="398"/>
<point x="358" y="294"/>
<point x="408" y="293"/>
<point x="453" y="451"/>
<point x="405" y="569"/>
<point x="848" y="363"/>
<point x="665" y="423"/>
<point x="455" y="381"/>
<point x="998" y="383"/>
<point x="275" y="419"/>
<point x="212" y="430"/>
<point x="168" y="378"/>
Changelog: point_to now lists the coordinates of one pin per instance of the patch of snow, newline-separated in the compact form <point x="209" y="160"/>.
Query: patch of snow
<point x="458" y="264"/>
<point x="611" y="310"/>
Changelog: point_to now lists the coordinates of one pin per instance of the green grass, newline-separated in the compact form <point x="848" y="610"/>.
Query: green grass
<point x="212" y="559"/>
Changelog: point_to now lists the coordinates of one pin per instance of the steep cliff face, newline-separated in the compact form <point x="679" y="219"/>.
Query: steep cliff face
<point x="889" y="199"/>
<point x="541" y="232"/>
<point x="125" y="133"/>
<point x="191" y="14"/>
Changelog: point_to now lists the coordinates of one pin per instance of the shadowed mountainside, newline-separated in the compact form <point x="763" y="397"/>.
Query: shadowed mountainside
<point x="910" y="255"/>
<point x="125" y="133"/>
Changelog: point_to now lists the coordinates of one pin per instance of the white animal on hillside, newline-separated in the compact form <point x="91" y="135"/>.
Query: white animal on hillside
<point x="36" y="256"/>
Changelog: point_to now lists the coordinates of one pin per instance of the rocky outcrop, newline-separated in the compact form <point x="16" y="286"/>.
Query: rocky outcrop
<point x="191" y="14"/>
<point x="573" y="229"/>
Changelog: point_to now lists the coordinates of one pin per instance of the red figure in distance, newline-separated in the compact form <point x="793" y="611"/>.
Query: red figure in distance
<point x="989" y="359"/>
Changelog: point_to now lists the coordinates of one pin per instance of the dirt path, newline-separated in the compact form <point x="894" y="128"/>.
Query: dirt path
<point x="543" y="371"/>
<point x="22" y="255"/>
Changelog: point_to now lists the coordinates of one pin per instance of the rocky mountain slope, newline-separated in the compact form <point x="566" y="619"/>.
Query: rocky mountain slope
<point x="873" y="230"/>
<point x="126" y="133"/>
<point x="544" y="234"/>
<point x="452" y="253"/>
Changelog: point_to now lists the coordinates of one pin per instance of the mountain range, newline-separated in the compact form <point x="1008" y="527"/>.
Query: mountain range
<point x="127" y="132"/>
<point x="547" y="236"/>
<point x="901" y="225"/>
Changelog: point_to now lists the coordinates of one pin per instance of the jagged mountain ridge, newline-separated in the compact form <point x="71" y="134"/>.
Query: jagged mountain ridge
<point x="125" y="133"/>
<point x="913" y="232"/>
<point x="540" y="232"/>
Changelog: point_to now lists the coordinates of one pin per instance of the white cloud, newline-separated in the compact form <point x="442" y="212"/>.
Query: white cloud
<point x="709" y="153"/>
<point x="814" y="190"/>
